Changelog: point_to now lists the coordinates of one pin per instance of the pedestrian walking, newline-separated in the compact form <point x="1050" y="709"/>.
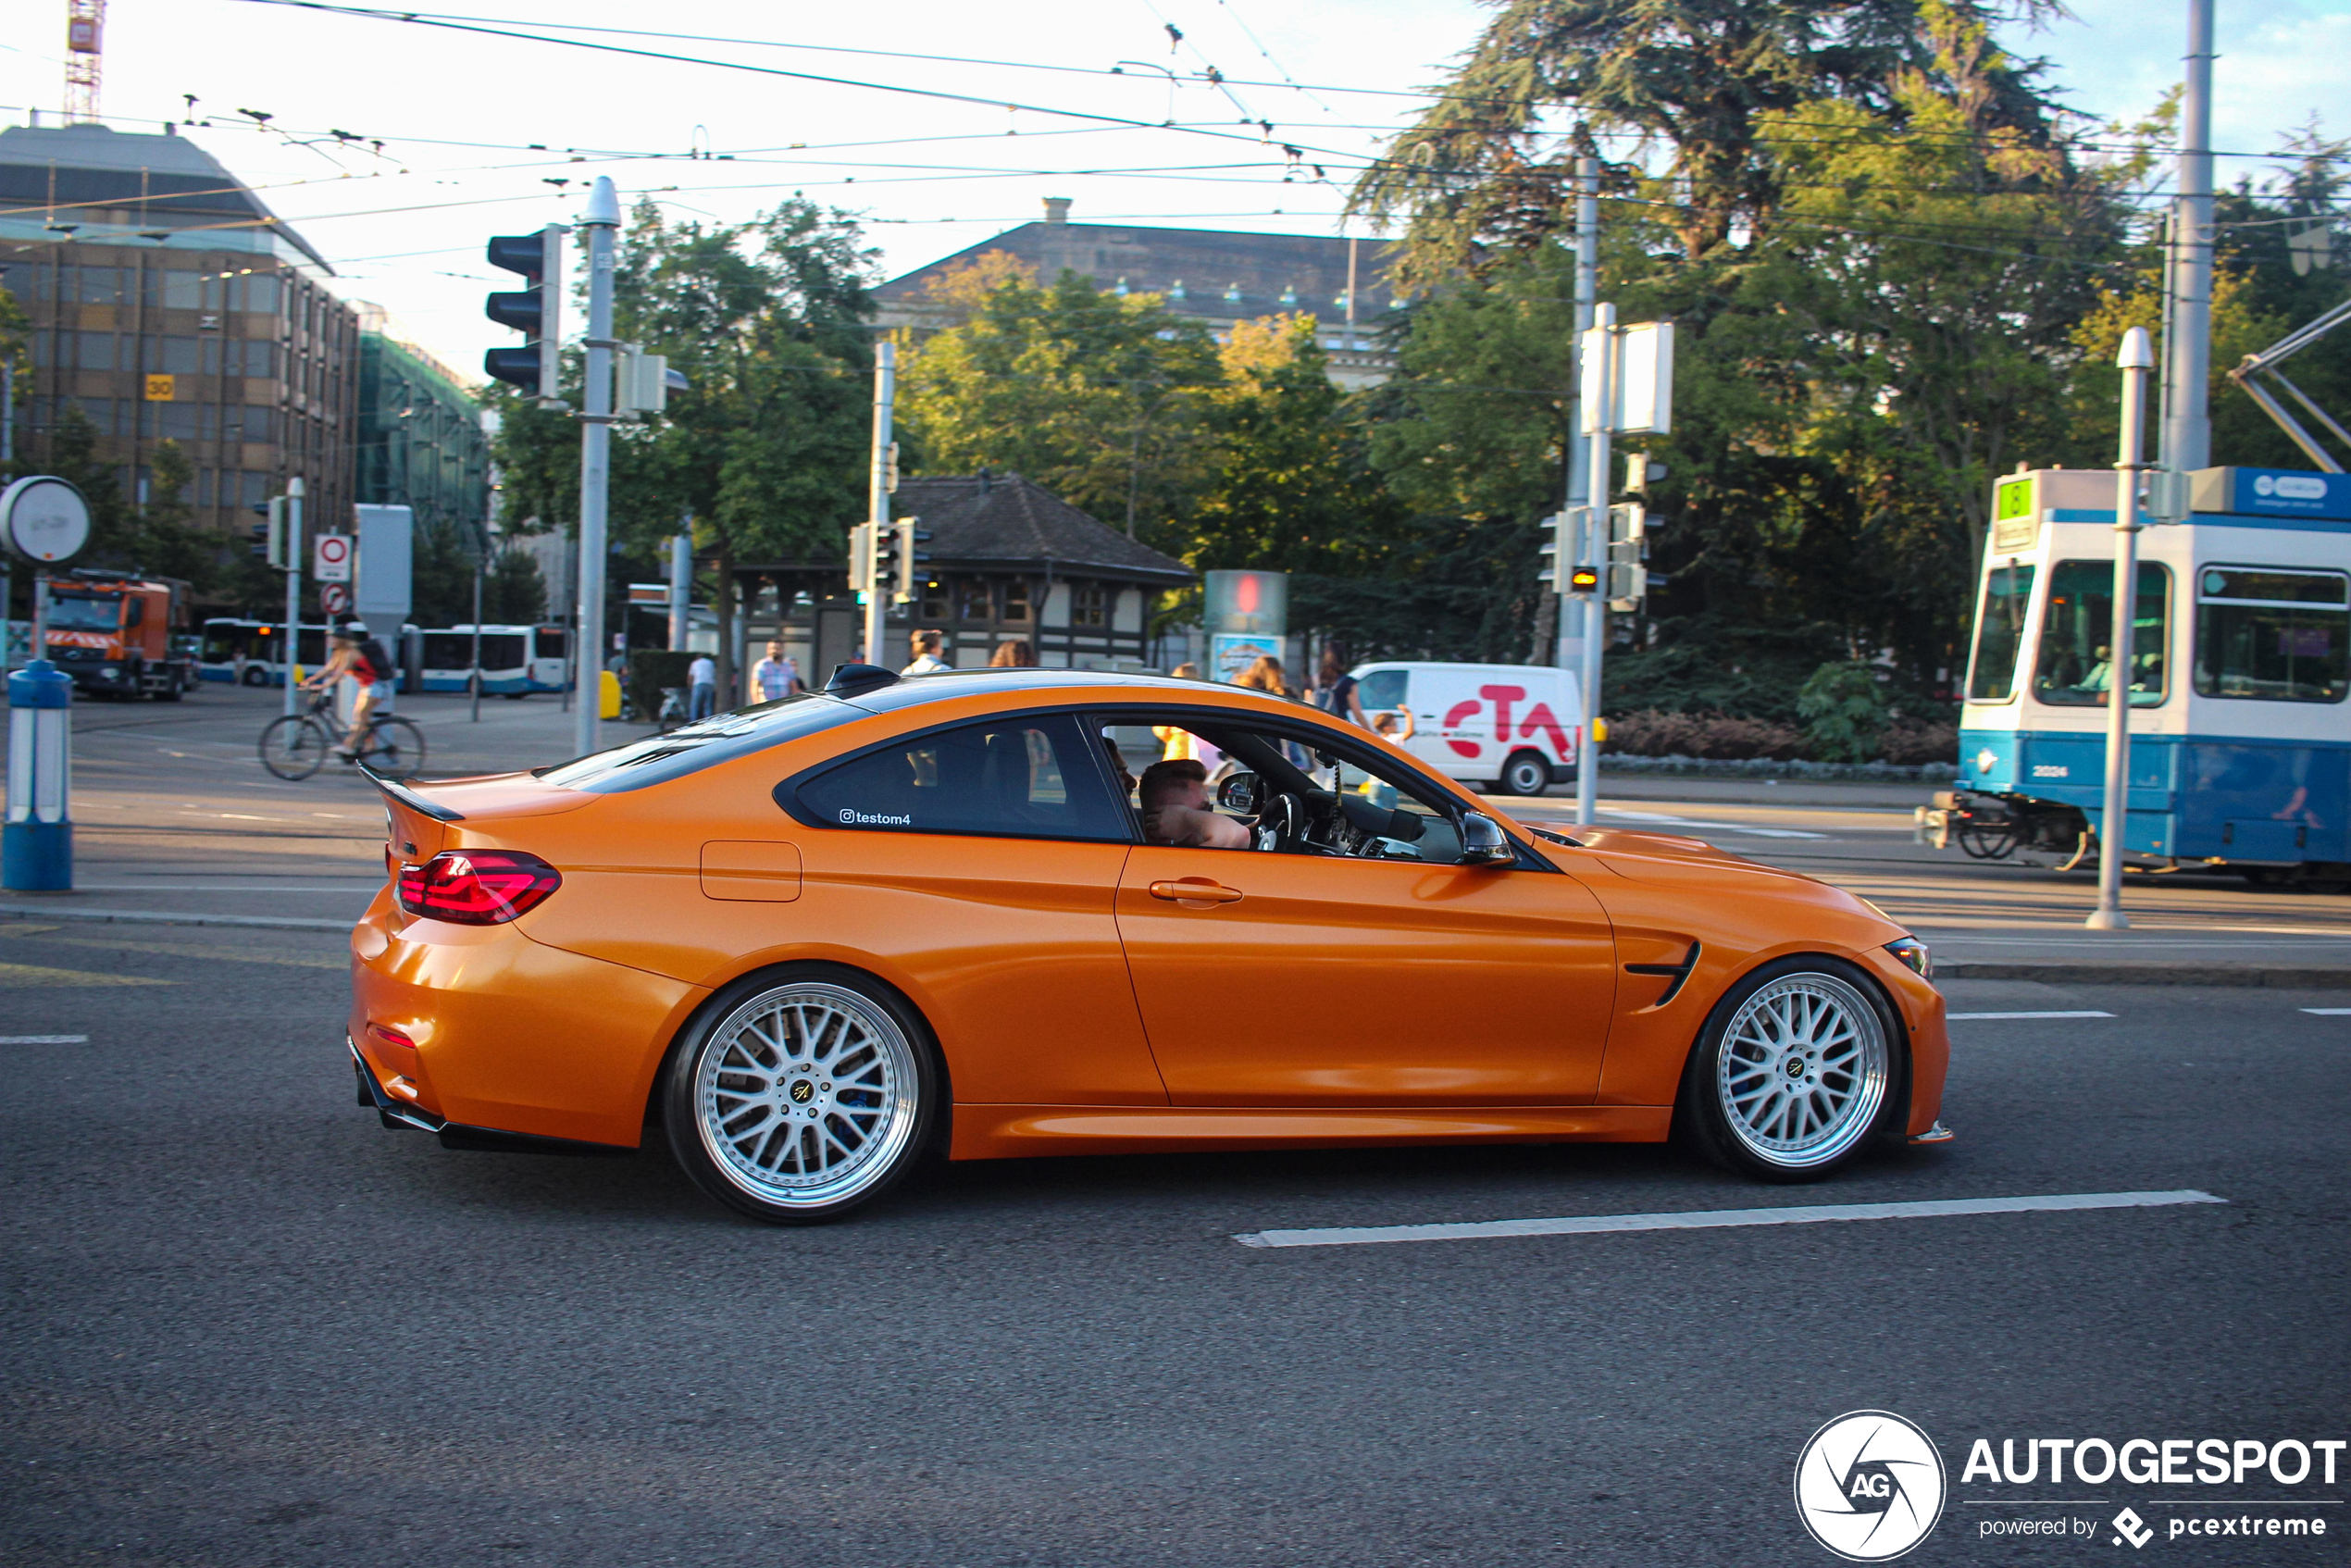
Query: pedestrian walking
<point x="1014" y="655"/>
<point x="701" y="680"/>
<point x="926" y="649"/>
<point x="1335" y="690"/>
<point x="775" y="677"/>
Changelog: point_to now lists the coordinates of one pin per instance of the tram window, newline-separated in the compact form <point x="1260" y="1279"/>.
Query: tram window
<point x="2006" y="591"/>
<point x="2273" y="636"/>
<point x="2074" y="669"/>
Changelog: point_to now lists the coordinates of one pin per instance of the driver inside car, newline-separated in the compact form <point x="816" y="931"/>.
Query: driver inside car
<point x="1176" y="810"/>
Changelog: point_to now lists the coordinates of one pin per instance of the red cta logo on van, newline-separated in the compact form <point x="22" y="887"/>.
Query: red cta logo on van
<point x="1537" y="720"/>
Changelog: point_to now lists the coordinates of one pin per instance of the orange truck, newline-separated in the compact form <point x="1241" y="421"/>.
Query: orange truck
<point x="119" y="634"/>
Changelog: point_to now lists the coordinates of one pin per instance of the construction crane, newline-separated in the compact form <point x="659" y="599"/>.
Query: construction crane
<point x="2255" y="368"/>
<point x="85" y="31"/>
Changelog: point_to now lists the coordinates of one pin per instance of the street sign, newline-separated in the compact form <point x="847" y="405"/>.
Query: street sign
<point x="334" y="599"/>
<point x="651" y="593"/>
<point x="46" y="518"/>
<point x="330" y="557"/>
<point x="1637" y="364"/>
<point x="162" y="388"/>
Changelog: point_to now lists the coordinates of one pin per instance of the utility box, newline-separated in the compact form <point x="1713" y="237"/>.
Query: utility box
<point x="387" y="568"/>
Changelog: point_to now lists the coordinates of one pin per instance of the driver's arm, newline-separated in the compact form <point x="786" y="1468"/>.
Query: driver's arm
<point x="1185" y="828"/>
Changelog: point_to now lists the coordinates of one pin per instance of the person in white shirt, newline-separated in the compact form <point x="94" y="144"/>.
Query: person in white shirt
<point x="775" y="677"/>
<point x="701" y="676"/>
<point x="926" y="659"/>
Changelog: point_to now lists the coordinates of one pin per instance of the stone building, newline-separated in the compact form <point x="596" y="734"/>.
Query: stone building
<point x="168" y="302"/>
<point x="1213" y="276"/>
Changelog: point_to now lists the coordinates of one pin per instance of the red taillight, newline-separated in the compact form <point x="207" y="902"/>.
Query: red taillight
<point x="476" y="886"/>
<point x="391" y="1036"/>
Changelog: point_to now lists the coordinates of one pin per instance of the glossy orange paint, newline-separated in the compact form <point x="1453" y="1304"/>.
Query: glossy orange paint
<point x="1076" y="1009"/>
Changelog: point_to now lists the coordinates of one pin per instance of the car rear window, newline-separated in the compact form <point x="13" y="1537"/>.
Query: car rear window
<point x="658" y="758"/>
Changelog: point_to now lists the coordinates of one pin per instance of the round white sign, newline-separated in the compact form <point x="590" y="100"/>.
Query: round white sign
<point x="45" y="518"/>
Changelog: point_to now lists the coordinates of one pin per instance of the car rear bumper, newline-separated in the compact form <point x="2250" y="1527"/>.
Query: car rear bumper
<point x="481" y="1028"/>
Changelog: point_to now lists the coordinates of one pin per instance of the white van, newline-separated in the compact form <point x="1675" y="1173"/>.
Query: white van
<point x="1514" y="729"/>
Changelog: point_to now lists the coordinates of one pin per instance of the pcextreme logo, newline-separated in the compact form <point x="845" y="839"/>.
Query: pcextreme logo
<point x="1869" y="1485"/>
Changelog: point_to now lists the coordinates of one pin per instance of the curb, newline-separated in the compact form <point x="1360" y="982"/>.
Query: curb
<point x="2135" y="974"/>
<point x="164" y="917"/>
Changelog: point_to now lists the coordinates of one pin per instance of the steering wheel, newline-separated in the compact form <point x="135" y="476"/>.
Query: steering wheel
<point x="1280" y="825"/>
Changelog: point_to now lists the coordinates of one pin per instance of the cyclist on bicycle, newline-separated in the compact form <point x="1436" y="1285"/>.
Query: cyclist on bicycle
<point x="363" y="660"/>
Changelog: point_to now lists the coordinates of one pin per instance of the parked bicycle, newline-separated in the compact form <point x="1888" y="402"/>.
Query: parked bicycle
<point x="298" y="744"/>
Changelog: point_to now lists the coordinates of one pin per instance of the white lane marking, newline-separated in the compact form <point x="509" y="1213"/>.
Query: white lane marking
<point x="1710" y="1219"/>
<point x="2085" y="1014"/>
<point x="44" y="1040"/>
<point x="2329" y="1011"/>
<point x="1664" y="820"/>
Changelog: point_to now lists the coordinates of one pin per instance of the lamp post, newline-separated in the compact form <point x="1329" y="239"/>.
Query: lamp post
<point x="2136" y="359"/>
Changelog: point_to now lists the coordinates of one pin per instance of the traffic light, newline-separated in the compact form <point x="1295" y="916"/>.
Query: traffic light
<point x="1583" y="579"/>
<point x="536" y="312"/>
<point x="861" y="560"/>
<point x="899" y="557"/>
<point x="1627" y="545"/>
<point x="269" y="537"/>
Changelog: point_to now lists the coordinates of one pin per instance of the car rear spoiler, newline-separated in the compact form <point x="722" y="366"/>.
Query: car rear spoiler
<point x="409" y="798"/>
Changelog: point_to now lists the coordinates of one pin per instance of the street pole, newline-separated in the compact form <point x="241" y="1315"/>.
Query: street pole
<point x="2187" y="433"/>
<point x="1588" y="767"/>
<point x="602" y="222"/>
<point x="474" y="706"/>
<point x="293" y="588"/>
<point x="681" y="580"/>
<point x="2136" y="359"/>
<point x="877" y="493"/>
<point x="1579" y="478"/>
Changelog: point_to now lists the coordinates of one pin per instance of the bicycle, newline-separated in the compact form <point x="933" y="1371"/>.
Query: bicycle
<point x="297" y="745"/>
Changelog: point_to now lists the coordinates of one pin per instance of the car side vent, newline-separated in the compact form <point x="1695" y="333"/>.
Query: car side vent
<point x="851" y="680"/>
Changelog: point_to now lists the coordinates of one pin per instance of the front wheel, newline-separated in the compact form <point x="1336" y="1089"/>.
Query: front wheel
<point x="1796" y="1068"/>
<point x="395" y="747"/>
<point x="1525" y="774"/>
<point x="802" y="1094"/>
<point x="294" y="746"/>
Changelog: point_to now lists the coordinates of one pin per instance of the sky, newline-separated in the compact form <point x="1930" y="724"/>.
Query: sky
<point x="932" y="154"/>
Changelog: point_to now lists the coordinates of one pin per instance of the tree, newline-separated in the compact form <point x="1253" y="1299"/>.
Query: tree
<point x="765" y="454"/>
<point x="1095" y="396"/>
<point x="1696" y="76"/>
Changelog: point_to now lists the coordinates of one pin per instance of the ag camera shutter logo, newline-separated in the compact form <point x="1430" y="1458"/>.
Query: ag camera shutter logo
<point x="1870" y="1486"/>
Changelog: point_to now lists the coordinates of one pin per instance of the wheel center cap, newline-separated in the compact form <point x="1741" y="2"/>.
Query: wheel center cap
<point x="803" y="1091"/>
<point x="1795" y="1066"/>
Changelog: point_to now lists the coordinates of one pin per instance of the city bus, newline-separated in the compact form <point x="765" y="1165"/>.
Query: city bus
<point x="2238" y="674"/>
<point x="253" y="652"/>
<point x="516" y="660"/>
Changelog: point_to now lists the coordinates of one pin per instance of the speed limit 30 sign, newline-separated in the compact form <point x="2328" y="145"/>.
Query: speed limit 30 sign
<point x="330" y="558"/>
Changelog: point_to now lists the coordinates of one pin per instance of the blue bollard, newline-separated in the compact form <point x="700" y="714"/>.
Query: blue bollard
<point x="36" y="846"/>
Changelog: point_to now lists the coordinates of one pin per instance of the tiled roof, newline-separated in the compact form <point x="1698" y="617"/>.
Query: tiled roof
<point x="1004" y="520"/>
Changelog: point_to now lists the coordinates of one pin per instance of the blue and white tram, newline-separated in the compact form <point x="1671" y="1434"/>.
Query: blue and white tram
<point x="2238" y="672"/>
<point x="516" y="660"/>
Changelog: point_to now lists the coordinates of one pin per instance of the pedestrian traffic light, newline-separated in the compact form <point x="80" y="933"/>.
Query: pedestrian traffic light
<point x="536" y="312"/>
<point x="889" y="469"/>
<point x="901" y="557"/>
<point x="1627" y="547"/>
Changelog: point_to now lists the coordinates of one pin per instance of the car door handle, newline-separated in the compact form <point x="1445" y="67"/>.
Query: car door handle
<point x="1190" y="891"/>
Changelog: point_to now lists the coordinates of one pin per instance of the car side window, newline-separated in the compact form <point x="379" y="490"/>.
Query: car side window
<point x="1025" y="777"/>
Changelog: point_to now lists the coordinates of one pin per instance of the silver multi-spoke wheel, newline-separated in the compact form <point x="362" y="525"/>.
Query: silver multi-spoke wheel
<point x="806" y="1095"/>
<point x="1801" y="1071"/>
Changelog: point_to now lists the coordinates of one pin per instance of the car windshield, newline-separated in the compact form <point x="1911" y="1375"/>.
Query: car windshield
<point x="84" y="612"/>
<point x="658" y="758"/>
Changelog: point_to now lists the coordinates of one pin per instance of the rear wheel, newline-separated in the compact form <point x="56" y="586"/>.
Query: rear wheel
<point x="1527" y="773"/>
<point x="394" y="743"/>
<point x="293" y="746"/>
<point x="802" y="1094"/>
<point x="1796" y="1068"/>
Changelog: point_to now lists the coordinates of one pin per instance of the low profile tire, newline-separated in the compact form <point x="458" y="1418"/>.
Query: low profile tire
<point x="1527" y="773"/>
<point x="802" y="1094"/>
<point x="1795" y="1070"/>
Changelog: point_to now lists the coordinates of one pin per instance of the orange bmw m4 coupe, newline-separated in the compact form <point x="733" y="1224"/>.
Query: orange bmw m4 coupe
<point x="810" y="943"/>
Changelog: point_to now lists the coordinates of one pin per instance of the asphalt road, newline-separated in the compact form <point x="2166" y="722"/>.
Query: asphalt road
<point x="245" y="1325"/>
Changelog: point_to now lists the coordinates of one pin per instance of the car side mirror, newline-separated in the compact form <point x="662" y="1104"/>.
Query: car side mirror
<point x="1484" y="843"/>
<point x="1240" y="794"/>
